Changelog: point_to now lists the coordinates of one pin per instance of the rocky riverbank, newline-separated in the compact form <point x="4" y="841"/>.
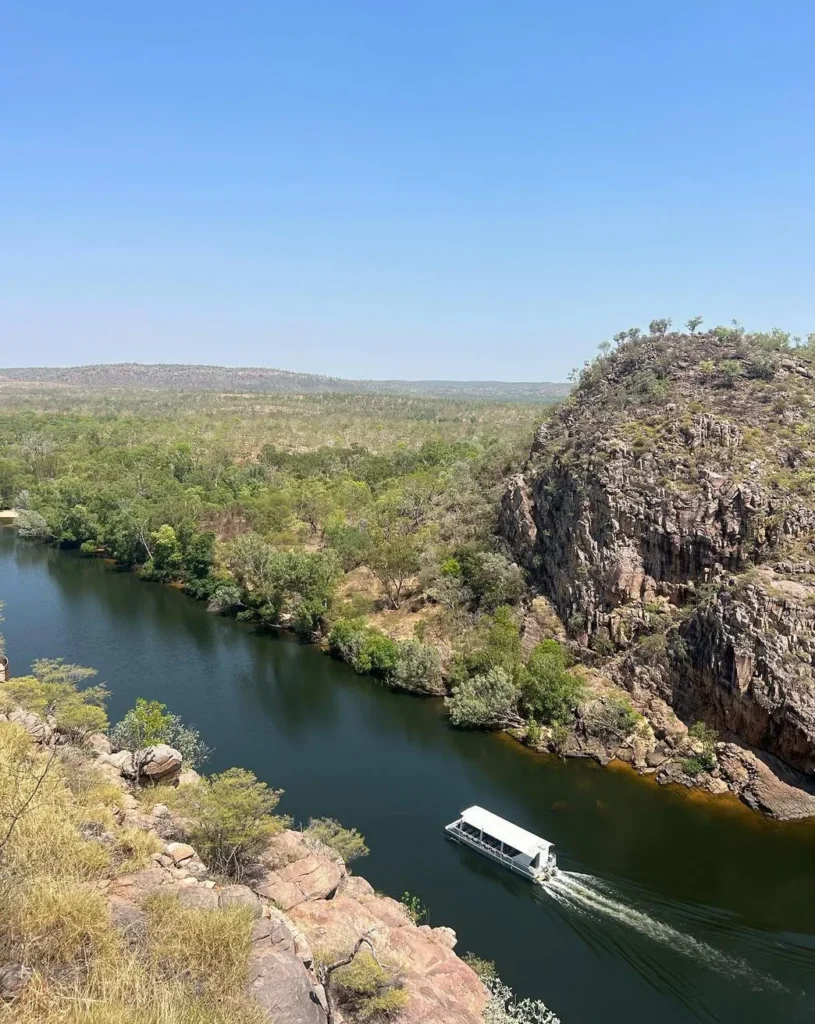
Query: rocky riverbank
<point x="667" y="512"/>
<point x="305" y="905"/>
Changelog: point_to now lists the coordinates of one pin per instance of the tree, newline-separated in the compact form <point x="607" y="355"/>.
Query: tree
<point x="550" y="691"/>
<point x="612" y="716"/>
<point x="418" y="669"/>
<point x="150" y="723"/>
<point x="52" y="690"/>
<point x="198" y="555"/>
<point x="693" y="324"/>
<point x="347" y="842"/>
<point x="492" y="578"/>
<point x="495" y="644"/>
<point x="32" y="525"/>
<point x="165" y="564"/>
<point x="360" y="985"/>
<point x="230" y="818"/>
<point x="660" y="327"/>
<point x="394" y="561"/>
<point x="488" y="701"/>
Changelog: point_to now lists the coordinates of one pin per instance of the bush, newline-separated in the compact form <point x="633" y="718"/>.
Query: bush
<point x="418" y="669"/>
<point x="505" y="1008"/>
<point x="230" y="818"/>
<point x="150" y="723"/>
<point x="416" y="910"/>
<point x="488" y="701"/>
<point x="612" y="716"/>
<point x="550" y="691"/>
<point x="347" y="842"/>
<point x="693" y="765"/>
<point x="366" y="650"/>
<point x="533" y="733"/>
<point x="496" y="643"/>
<point x="53" y="690"/>
<point x="491" y="578"/>
<point x="32" y="525"/>
<point x="366" y="991"/>
<point x="485" y="969"/>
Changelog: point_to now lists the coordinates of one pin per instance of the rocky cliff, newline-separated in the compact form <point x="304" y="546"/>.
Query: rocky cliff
<point x="667" y="511"/>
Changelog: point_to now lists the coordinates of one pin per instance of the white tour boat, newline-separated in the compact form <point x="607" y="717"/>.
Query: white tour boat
<point x="500" y="840"/>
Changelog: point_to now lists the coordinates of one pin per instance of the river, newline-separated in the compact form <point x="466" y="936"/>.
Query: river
<point x="675" y="907"/>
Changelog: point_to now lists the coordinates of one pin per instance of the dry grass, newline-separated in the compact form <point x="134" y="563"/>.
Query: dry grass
<point x="54" y="916"/>
<point x="208" y="948"/>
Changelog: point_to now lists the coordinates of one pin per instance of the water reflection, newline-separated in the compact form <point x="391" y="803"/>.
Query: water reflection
<point x="388" y="764"/>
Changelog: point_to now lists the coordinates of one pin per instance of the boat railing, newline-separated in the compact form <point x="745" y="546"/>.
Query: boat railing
<point x="488" y="847"/>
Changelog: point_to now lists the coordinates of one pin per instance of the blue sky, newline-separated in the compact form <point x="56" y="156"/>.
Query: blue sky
<point x="399" y="189"/>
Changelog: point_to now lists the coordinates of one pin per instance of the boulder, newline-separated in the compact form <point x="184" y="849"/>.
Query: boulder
<point x="39" y="730"/>
<point x="290" y="873"/>
<point x="240" y="896"/>
<point x="188" y="777"/>
<point x="179" y="852"/>
<point x="122" y="760"/>
<point x="159" y="763"/>
<point x="98" y="744"/>
<point x="283" y="988"/>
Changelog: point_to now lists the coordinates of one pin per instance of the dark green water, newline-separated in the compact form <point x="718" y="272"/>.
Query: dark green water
<point x="693" y="910"/>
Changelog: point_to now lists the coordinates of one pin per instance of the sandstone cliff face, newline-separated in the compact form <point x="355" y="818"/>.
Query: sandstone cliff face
<point x="667" y="511"/>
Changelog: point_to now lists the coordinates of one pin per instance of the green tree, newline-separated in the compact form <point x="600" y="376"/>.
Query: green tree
<point x="53" y="690"/>
<point x="418" y="669"/>
<point x="694" y="324"/>
<point x="550" y="691"/>
<point x="660" y="327"/>
<point x="496" y="643"/>
<point x="394" y="561"/>
<point x="488" y="701"/>
<point x="230" y="818"/>
<point x="166" y="561"/>
<point x="198" y="555"/>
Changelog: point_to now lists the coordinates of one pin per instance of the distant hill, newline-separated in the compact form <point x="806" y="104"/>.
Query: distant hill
<point x="179" y="377"/>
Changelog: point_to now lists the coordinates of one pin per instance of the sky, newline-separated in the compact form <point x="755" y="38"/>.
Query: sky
<point x="390" y="189"/>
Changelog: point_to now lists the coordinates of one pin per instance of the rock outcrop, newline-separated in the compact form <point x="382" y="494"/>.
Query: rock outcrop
<point x="668" y="513"/>
<point x="299" y="894"/>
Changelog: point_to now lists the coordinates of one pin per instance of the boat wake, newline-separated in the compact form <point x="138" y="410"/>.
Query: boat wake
<point x="587" y="895"/>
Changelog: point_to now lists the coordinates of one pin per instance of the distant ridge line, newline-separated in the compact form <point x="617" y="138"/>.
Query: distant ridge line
<point x="194" y="377"/>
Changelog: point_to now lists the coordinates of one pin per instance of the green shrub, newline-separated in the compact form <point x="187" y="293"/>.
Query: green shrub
<point x="230" y="818"/>
<point x="612" y="716"/>
<point x="550" y="691"/>
<point x="366" y="991"/>
<point x="416" y="910"/>
<point x="347" y="842"/>
<point x="693" y="765"/>
<point x="488" y="701"/>
<point x="53" y="689"/>
<point x="418" y="668"/>
<point x="485" y="969"/>
<point x="150" y="723"/>
<point x="366" y="650"/>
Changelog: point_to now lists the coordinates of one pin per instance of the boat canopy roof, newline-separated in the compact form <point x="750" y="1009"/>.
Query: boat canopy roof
<point x="505" y="831"/>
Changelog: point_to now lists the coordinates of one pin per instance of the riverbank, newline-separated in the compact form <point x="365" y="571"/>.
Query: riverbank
<point x="658" y="743"/>
<point x="341" y="747"/>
